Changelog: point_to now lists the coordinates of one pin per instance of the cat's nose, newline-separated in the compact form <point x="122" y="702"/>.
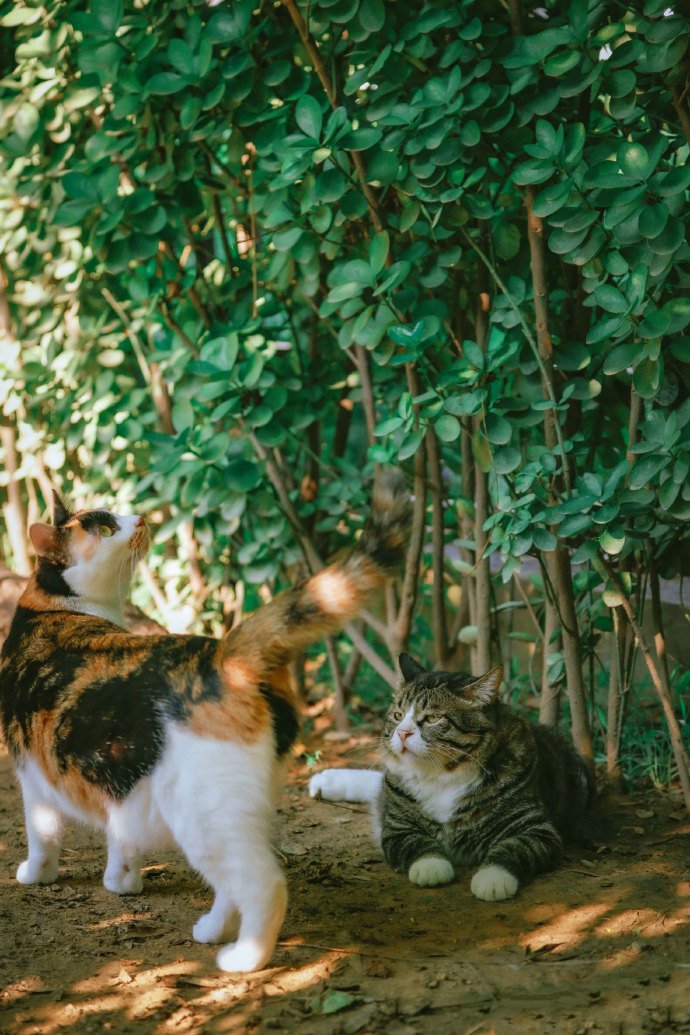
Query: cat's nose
<point x="404" y="734"/>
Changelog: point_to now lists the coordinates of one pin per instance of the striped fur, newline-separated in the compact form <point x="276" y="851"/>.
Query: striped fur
<point x="167" y="739"/>
<point x="469" y="782"/>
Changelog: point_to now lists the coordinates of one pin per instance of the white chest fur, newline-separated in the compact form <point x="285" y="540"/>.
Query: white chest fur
<point x="439" y="795"/>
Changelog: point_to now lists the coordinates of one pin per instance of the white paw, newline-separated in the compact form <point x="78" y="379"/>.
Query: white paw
<point x="123" y="881"/>
<point x="30" y="872"/>
<point x="243" y="956"/>
<point x="431" y="870"/>
<point x="330" y="784"/>
<point x="493" y="883"/>
<point x="211" y="928"/>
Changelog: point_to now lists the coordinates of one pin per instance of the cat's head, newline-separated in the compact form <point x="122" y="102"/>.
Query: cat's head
<point x="89" y="554"/>
<point x="440" y="721"/>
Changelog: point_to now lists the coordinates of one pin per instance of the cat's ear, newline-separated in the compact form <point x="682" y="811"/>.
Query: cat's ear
<point x="60" y="511"/>
<point x="44" y="539"/>
<point x="410" y="669"/>
<point x="484" y="691"/>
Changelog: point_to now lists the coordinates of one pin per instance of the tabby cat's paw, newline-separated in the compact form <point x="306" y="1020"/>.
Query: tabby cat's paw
<point x="493" y="883"/>
<point x="431" y="870"/>
<point x="30" y="872"/>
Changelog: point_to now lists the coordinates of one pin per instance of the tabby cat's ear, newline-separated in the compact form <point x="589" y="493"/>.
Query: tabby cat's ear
<point x="43" y="538"/>
<point x="60" y="511"/>
<point x="485" y="689"/>
<point x="410" y="669"/>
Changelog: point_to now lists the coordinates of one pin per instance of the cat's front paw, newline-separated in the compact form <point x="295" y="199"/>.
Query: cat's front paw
<point x="431" y="870"/>
<point x="493" y="883"/>
<point x="44" y="872"/>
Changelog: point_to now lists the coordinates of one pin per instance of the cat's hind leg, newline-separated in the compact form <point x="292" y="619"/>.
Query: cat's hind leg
<point x="44" y="824"/>
<point x="216" y="797"/>
<point x="134" y="825"/>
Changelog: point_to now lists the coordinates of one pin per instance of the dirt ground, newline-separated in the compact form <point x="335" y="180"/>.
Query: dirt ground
<point x="602" y="945"/>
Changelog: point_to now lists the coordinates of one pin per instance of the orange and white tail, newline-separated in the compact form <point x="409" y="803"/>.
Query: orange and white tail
<point x="328" y="600"/>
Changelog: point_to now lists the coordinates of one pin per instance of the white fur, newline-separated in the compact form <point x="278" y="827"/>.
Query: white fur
<point x="493" y="884"/>
<point x="212" y="798"/>
<point x="438" y="793"/>
<point x="356" y="785"/>
<point x="430" y="871"/>
<point x="102" y="583"/>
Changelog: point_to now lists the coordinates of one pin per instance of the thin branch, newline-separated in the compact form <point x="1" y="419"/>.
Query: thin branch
<point x="320" y="69"/>
<point x="662" y="691"/>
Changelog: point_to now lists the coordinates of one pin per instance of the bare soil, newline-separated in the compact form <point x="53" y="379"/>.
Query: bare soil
<point x="601" y="945"/>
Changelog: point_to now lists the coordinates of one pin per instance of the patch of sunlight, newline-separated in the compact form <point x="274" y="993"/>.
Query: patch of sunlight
<point x="568" y="928"/>
<point x="16" y="990"/>
<point x="115" y="921"/>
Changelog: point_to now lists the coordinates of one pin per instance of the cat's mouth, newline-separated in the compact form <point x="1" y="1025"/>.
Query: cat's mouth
<point x="139" y="540"/>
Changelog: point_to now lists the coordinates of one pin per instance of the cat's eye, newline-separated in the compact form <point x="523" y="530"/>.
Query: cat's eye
<point x="105" y="531"/>
<point x="433" y="718"/>
<point x="397" y="715"/>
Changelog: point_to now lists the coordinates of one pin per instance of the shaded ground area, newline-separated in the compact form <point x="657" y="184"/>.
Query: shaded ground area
<point x="603" y="945"/>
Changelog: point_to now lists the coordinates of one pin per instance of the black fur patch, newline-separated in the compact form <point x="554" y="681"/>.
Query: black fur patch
<point x="51" y="580"/>
<point x="284" y="718"/>
<point x="113" y="737"/>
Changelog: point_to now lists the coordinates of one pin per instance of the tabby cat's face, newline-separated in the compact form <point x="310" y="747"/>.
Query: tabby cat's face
<point x="440" y="721"/>
<point x="93" y="552"/>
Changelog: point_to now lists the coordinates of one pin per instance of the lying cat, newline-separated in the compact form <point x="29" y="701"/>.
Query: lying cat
<point x="466" y="782"/>
<point x="163" y="740"/>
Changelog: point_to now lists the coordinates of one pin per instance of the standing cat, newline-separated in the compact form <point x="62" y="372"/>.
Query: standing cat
<point x="163" y="740"/>
<point x="466" y="782"/>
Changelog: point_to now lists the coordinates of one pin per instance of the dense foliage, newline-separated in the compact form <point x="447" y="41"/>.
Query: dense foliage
<point x="252" y="249"/>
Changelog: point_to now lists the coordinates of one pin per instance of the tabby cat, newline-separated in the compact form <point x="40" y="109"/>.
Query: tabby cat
<point x="466" y="782"/>
<point x="163" y="740"/>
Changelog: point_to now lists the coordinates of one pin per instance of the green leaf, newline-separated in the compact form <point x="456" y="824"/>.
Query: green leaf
<point x="378" y="251"/>
<point x="645" y="469"/>
<point x="481" y="450"/>
<point x="241" y="475"/>
<point x="552" y="198"/>
<point x="674" y="182"/>
<point x="335" y="1000"/>
<point x="309" y="116"/>
<point x="544" y="540"/>
<point x="382" y="167"/>
<point x="653" y="219"/>
<point x="633" y="160"/>
<point x="611" y="299"/>
<point x="330" y="185"/>
<point x="411" y="444"/>
<point x="167" y="82"/>
<point x="372" y="14"/>
<point x="647" y="377"/>
<point x="181" y="57"/>
<point x="108" y="13"/>
<point x="506" y="459"/>
<point x="678" y="311"/>
<point x="447" y="427"/>
<point x="506" y="240"/>
<point x="622" y="357"/>
<point x="602" y="329"/>
<point x="229" y="26"/>
<point x="388" y="425"/>
<point x="611" y="543"/>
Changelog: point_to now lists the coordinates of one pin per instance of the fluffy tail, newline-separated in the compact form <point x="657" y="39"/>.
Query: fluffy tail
<point x="328" y="600"/>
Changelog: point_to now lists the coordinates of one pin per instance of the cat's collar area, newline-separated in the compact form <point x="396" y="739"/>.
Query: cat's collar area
<point x="112" y="613"/>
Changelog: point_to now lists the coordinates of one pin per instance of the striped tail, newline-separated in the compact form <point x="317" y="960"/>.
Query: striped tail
<point x="328" y="600"/>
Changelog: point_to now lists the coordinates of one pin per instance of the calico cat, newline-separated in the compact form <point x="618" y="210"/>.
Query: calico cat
<point x="466" y="782"/>
<point x="163" y="740"/>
